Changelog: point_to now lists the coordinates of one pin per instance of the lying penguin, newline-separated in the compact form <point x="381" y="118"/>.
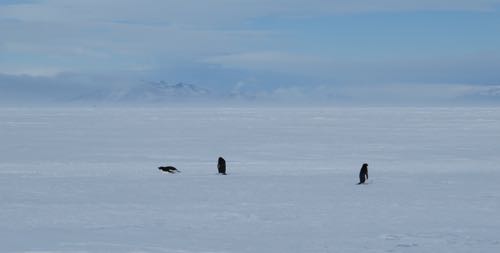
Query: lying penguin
<point x="169" y="169"/>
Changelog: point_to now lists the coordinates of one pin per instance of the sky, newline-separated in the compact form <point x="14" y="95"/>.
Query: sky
<point x="359" y="50"/>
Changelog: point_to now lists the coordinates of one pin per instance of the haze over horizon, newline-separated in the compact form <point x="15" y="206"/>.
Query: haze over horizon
<point x="307" y="52"/>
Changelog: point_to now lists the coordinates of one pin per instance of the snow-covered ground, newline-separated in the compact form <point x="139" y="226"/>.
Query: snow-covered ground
<point x="86" y="180"/>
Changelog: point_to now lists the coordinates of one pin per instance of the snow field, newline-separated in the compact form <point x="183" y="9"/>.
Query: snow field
<point x="85" y="180"/>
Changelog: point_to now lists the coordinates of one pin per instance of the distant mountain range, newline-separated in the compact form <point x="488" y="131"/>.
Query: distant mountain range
<point x="78" y="90"/>
<point x="19" y="90"/>
<point x="146" y="92"/>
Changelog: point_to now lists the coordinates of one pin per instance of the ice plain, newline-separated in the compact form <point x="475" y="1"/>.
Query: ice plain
<point x="85" y="180"/>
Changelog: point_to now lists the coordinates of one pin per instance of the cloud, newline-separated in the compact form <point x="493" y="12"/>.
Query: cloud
<point x="194" y="12"/>
<point x="215" y="42"/>
<point x="73" y="88"/>
<point x="469" y="68"/>
<point x="36" y="71"/>
<point x="273" y="61"/>
<point x="114" y="46"/>
<point x="13" y="2"/>
<point x="414" y="94"/>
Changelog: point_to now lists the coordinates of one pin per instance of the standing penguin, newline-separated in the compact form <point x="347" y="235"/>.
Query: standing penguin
<point x="363" y="173"/>
<point x="221" y="166"/>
